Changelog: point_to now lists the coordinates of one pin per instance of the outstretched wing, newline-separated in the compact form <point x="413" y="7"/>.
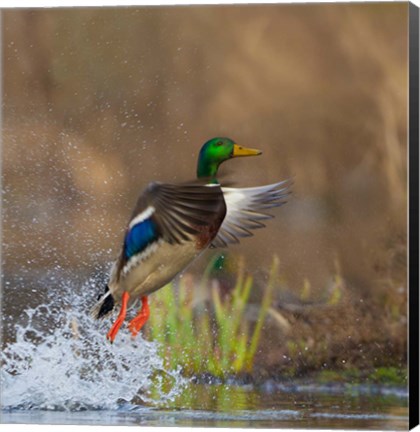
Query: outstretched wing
<point x="174" y="213"/>
<point x="246" y="208"/>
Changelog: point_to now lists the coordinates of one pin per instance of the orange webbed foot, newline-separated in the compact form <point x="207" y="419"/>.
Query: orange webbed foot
<point x="139" y="321"/>
<point x="121" y="317"/>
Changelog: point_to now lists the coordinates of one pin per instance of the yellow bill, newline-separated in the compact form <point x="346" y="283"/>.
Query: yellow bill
<point x="243" y="151"/>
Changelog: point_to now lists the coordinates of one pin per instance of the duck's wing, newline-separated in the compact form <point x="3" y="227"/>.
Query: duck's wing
<point x="174" y="213"/>
<point x="246" y="208"/>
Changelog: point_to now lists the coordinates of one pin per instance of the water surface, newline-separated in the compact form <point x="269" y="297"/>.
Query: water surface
<point x="235" y="406"/>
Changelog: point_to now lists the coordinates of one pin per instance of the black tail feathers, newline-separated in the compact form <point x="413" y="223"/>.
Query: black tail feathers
<point x="104" y="306"/>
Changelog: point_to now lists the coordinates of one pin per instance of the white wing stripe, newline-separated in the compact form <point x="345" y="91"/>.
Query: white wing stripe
<point x="142" y="216"/>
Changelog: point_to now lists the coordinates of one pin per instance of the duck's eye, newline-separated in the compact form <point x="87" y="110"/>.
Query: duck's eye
<point x="219" y="143"/>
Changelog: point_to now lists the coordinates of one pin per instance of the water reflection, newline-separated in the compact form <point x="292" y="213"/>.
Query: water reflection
<point x="243" y="406"/>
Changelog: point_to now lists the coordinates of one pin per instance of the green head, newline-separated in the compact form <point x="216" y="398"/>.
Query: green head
<point x="216" y="151"/>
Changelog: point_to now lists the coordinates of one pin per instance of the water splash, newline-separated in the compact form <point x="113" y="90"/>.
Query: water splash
<point x="60" y="360"/>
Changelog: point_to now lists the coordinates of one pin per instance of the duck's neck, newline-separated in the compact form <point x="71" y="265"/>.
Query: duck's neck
<point x="207" y="169"/>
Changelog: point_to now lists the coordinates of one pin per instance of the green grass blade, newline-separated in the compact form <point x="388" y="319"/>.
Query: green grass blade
<point x="266" y="301"/>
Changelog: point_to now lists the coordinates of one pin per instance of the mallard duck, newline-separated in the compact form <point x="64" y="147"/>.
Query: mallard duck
<point x="171" y="225"/>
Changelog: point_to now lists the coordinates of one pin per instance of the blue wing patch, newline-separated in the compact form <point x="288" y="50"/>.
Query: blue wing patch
<point x="139" y="237"/>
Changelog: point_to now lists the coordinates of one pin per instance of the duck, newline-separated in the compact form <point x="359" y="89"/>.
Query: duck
<point x="173" y="224"/>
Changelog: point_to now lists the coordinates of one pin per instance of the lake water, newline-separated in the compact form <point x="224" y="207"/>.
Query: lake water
<point x="242" y="406"/>
<point x="57" y="368"/>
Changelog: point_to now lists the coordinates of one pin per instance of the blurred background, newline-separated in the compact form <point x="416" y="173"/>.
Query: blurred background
<point x="97" y="102"/>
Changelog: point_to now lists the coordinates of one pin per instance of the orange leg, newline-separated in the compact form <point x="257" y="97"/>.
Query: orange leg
<point x="121" y="317"/>
<point x="140" y="320"/>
